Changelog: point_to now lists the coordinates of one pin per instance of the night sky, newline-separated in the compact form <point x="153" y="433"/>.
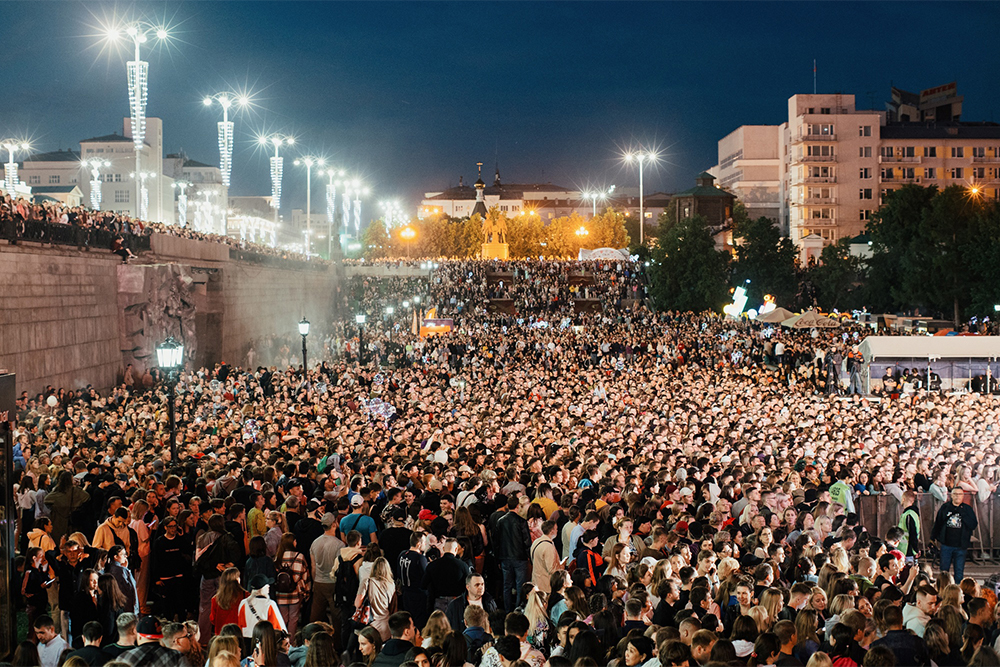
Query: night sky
<point x="409" y="96"/>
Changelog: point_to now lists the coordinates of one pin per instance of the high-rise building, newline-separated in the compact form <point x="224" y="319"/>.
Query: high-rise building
<point x="836" y="163"/>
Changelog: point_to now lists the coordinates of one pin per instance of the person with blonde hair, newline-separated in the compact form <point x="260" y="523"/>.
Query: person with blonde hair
<point x="435" y="630"/>
<point x="224" y="659"/>
<point x="223" y="644"/>
<point x="534" y="609"/>
<point x="760" y="618"/>
<point x="819" y="659"/>
<point x="379" y="589"/>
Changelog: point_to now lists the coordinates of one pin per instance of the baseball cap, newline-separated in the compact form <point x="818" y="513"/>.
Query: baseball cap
<point x="328" y="520"/>
<point x="357" y="500"/>
<point x="149" y="628"/>
<point x="258" y="581"/>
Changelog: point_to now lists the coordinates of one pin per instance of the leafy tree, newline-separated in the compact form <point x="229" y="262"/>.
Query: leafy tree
<point x="892" y="229"/>
<point x="766" y="259"/>
<point x="375" y="243"/>
<point x="650" y="232"/>
<point x="838" y="277"/>
<point x="687" y="272"/>
<point x="525" y="236"/>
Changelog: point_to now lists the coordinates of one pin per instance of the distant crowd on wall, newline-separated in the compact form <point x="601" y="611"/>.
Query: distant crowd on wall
<point x="17" y="213"/>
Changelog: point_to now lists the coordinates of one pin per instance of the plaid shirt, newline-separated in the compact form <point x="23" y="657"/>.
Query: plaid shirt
<point x="153" y="654"/>
<point x="299" y="569"/>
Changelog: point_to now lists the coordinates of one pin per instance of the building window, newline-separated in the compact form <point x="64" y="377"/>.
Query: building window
<point x="34" y="180"/>
<point x="865" y="172"/>
<point x="118" y="178"/>
<point x="810" y="110"/>
<point x="979" y="172"/>
<point x="865" y="131"/>
<point x="54" y="179"/>
<point x="930" y="151"/>
<point x="958" y="151"/>
<point x="864" y="151"/>
<point x="824" y="150"/>
<point x="865" y="193"/>
<point x="978" y="151"/>
<point x="825" y="110"/>
<point x="957" y="172"/>
<point x="887" y="151"/>
<point x="930" y="172"/>
<point x="887" y="173"/>
<point x="908" y="151"/>
<point x="98" y="150"/>
<point x="865" y="214"/>
<point x="121" y="196"/>
<point x="906" y="172"/>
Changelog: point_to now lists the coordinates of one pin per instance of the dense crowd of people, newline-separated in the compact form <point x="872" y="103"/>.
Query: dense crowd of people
<point x="543" y="487"/>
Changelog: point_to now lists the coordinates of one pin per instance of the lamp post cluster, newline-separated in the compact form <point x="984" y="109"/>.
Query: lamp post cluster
<point x="641" y="157"/>
<point x="594" y="195"/>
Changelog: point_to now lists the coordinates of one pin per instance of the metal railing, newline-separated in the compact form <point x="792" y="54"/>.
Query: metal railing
<point x="907" y="159"/>
<point x="15" y="231"/>
<point x="881" y="512"/>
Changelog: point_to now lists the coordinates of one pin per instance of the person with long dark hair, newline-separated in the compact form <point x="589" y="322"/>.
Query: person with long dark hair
<point x="85" y="605"/>
<point x="111" y="603"/>
<point x="321" y="652"/>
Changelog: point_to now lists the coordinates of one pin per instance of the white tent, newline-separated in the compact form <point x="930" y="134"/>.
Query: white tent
<point x="955" y="358"/>
<point x="776" y="316"/>
<point x="810" y="320"/>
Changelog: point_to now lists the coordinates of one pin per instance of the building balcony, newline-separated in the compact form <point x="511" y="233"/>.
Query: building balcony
<point x="816" y="222"/>
<point x="987" y="159"/>
<point x="902" y="181"/>
<point x="807" y="138"/>
<point x="798" y="180"/>
<point x="805" y="159"/>
<point x="899" y="159"/>
<point x="816" y="201"/>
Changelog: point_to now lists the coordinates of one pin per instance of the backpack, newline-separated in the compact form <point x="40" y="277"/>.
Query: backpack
<point x="346" y="583"/>
<point x="284" y="582"/>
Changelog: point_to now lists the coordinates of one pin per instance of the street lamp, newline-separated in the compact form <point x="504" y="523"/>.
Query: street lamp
<point x="170" y="357"/>
<point x="138" y="86"/>
<point x="304" y="331"/>
<point x="393" y="214"/>
<point x="360" y="320"/>
<point x="408" y="234"/>
<point x="354" y="189"/>
<point x="94" y="165"/>
<point x="309" y="161"/>
<point x="277" y="162"/>
<point x="642" y="157"/>
<point x="582" y="231"/>
<point x="140" y="178"/>
<point x="594" y="196"/>
<point x="390" y="310"/>
<point x="10" y="169"/>
<point x="331" y="206"/>
<point x="182" y="201"/>
<point x="226" y="100"/>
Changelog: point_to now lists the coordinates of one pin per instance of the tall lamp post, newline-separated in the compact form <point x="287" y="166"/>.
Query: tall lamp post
<point x="182" y="201"/>
<point x="304" y="332"/>
<point x="226" y="100"/>
<point x="94" y="165"/>
<point x="138" y="86"/>
<point x="278" y="140"/>
<point x="408" y="234"/>
<point x="309" y="161"/>
<point x="10" y="182"/>
<point x="594" y="196"/>
<point x="642" y="157"/>
<point x="360" y="319"/>
<point x="170" y="357"/>
<point x="331" y="206"/>
<point x="140" y="178"/>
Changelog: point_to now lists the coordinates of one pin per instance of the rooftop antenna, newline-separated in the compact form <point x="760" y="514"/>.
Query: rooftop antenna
<point x="814" y="76"/>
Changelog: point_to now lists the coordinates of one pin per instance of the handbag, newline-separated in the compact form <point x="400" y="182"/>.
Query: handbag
<point x="364" y="614"/>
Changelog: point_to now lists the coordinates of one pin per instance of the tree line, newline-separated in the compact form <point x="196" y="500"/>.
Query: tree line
<point x="933" y="252"/>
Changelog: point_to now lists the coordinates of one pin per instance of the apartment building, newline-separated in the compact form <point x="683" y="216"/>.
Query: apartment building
<point x="837" y="163"/>
<point x="750" y="167"/>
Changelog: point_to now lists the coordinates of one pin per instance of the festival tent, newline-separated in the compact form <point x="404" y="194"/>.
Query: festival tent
<point x="775" y="316"/>
<point x="810" y="320"/>
<point x="956" y="359"/>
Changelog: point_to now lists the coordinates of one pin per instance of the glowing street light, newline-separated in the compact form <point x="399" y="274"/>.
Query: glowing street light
<point x="582" y="231"/>
<point x="182" y="201"/>
<point x="354" y="189"/>
<point x="138" y="85"/>
<point x="594" y="196"/>
<point x="408" y="234"/>
<point x="94" y="165"/>
<point x="331" y="205"/>
<point x="393" y="214"/>
<point x="278" y="140"/>
<point x="140" y="179"/>
<point x="226" y="100"/>
<point x="10" y="169"/>
<point x="642" y="157"/>
<point x="309" y="161"/>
